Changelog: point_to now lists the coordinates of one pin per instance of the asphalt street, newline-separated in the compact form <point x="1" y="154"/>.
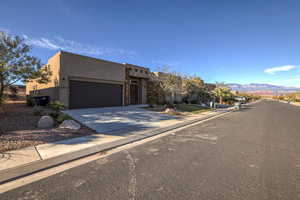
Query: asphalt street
<point x="248" y="154"/>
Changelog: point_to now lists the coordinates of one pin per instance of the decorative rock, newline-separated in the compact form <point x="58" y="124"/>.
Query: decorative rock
<point x="70" y="124"/>
<point x="45" y="122"/>
<point x="170" y="111"/>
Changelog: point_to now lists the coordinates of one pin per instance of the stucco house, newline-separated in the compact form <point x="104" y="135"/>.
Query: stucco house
<point x="83" y="82"/>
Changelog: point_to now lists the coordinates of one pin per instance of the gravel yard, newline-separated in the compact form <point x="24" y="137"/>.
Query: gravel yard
<point x="18" y="129"/>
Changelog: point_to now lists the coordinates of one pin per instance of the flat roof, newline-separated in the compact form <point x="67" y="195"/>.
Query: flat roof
<point x="66" y="52"/>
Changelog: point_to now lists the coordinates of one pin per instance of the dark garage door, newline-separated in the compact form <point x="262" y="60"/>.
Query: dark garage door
<point x="91" y="95"/>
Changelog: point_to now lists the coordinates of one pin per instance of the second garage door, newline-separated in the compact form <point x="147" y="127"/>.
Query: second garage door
<point x="90" y="94"/>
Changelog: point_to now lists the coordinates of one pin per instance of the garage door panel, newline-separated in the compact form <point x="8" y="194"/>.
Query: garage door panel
<point x="90" y="94"/>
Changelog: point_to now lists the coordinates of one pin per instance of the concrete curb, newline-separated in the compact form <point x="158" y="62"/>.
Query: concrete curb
<point x="39" y="165"/>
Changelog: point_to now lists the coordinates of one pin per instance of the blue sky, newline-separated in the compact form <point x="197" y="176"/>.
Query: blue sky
<point x="226" y="40"/>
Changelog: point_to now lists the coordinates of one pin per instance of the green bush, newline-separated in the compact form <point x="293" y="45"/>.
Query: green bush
<point x="57" y="106"/>
<point x="54" y="115"/>
<point x="61" y="117"/>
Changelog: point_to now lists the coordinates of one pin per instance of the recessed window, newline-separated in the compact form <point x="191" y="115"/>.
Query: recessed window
<point x="135" y="70"/>
<point x="141" y="71"/>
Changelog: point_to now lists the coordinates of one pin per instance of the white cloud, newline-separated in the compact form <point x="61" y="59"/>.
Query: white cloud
<point x="43" y="43"/>
<point x="284" y="68"/>
<point x="59" y="43"/>
<point x="4" y="30"/>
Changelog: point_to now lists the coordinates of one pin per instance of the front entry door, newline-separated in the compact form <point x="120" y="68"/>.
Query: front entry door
<point x="134" y="94"/>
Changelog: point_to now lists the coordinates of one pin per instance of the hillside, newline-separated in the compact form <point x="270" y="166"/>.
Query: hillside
<point x="263" y="89"/>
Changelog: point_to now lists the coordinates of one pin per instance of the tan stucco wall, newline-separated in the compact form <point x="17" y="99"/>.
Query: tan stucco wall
<point x="77" y="67"/>
<point x="82" y="66"/>
<point x="50" y="88"/>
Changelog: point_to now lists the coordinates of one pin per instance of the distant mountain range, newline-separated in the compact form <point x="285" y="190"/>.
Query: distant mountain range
<point x="267" y="89"/>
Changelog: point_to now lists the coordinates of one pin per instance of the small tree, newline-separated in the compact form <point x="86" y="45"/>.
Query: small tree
<point x="16" y="65"/>
<point x="171" y="84"/>
<point x="222" y="92"/>
<point x="155" y="93"/>
<point x="192" y="86"/>
<point x="205" y="96"/>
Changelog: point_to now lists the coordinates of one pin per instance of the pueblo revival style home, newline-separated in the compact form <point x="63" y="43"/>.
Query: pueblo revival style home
<point x="83" y="82"/>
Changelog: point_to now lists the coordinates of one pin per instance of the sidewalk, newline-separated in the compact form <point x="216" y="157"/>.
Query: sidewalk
<point x="32" y="159"/>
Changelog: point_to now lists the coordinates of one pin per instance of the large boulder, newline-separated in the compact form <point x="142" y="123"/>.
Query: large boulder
<point x="69" y="124"/>
<point x="45" y="122"/>
<point x="203" y="105"/>
<point x="171" y="111"/>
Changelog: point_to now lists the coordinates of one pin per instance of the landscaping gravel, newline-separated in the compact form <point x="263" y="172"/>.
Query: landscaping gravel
<point x="18" y="129"/>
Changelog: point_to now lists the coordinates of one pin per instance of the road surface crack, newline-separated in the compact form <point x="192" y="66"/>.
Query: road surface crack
<point x="132" y="174"/>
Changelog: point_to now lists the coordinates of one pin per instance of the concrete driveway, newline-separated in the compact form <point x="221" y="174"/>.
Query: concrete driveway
<point x="120" y="120"/>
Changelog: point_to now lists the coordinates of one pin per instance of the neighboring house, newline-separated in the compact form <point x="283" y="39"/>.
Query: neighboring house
<point x="83" y="82"/>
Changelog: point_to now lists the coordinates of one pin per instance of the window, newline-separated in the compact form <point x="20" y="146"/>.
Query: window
<point x="135" y="70"/>
<point x="141" y="71"/>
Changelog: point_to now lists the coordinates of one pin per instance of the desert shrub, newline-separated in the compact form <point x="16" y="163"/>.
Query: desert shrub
<point x="57" y="106"/>
<point x="54" y="115"/>
<point x="61" y="117"/>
